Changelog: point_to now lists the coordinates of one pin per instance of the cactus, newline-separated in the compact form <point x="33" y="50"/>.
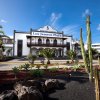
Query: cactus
<point x="88" y="63"/>
<point x="89" y="48"/>
<point x="96" y="75"/>
<point x="83" y="51"/>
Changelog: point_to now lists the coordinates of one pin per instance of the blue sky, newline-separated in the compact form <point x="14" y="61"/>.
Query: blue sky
<point x="64" y="15"/>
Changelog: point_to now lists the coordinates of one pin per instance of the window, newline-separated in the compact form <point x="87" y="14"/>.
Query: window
<point x="9" y="41"/>
<point x="68" y="45"/>
<point x="47" y="41"/>
<point x="55" y="42"/>
<point x="39" y="41"/>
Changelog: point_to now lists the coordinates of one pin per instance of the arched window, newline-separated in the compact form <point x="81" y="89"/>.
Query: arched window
<point x="55" y="42"/>
<point x="39" y="41"/>
<point x="47" y="41"/>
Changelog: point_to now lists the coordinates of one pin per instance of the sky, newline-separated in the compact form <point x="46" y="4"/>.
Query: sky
<point x="63" y="15"/>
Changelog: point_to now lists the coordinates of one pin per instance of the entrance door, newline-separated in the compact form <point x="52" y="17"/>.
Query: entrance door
<point x="19" y="48"/>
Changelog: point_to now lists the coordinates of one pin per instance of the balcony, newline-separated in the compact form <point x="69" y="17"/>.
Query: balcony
<point x="46" y="45"/>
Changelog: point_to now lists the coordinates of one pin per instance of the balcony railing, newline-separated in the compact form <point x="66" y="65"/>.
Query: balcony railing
<point x="46" y="45"/>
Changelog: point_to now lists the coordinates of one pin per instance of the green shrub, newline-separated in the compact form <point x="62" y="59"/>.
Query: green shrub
<point x="36" y="72"/>
<point x="75" y="67"/>
<point x="82" y="66"/>
<point x="15" y="70"/>
<point x="54" y="69"/>
<point x="26" y="66"/>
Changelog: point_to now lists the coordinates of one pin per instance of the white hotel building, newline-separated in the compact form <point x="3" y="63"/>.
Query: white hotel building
<point x="35" y="40"/>
<point x="94" y="46"/>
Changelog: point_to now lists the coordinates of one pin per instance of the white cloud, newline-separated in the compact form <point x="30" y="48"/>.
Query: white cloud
<point x="54" y="18"/>
<point x="71" y="29"/>
<point x="86" y="12"/>
<point x="98" y="28"/>
<point x="3" y="21"/>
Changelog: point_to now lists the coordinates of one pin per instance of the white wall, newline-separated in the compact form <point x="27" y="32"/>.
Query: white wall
<point x="25" y="49"/>
<point x="69" y="39"/>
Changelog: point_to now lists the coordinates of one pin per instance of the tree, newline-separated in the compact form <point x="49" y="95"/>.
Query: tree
<point x="47" y="53"/>
<point x="71" y="54"/>
<point x="2" y="34"/>
<point x="1" y="43"/>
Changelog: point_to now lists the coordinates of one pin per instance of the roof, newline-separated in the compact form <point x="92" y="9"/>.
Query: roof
<point x="47" y="28"/>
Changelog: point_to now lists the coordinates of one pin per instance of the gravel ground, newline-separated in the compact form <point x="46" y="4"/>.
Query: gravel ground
<point x="74" y="88"/>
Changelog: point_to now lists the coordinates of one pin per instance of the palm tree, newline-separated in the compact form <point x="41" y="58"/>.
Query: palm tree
<point x="31" y="59"/>
<point x="47" y="53"/>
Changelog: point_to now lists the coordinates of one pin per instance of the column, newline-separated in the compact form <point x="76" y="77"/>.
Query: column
<point x="30" y="45"/>
<point x="62" y="52"/>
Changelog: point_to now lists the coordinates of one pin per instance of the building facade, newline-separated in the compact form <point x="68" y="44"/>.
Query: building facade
<point x="35" y="40"/>
<point x="8" y="45"/>
<point x="94" y="46"/>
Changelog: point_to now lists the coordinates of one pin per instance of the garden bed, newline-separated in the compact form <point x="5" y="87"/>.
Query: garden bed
<point x="9" y="76"/>
<point x="77" y="87"/>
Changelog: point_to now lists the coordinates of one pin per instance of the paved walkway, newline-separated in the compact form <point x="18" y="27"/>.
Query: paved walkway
<point x="8" y="65"/>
